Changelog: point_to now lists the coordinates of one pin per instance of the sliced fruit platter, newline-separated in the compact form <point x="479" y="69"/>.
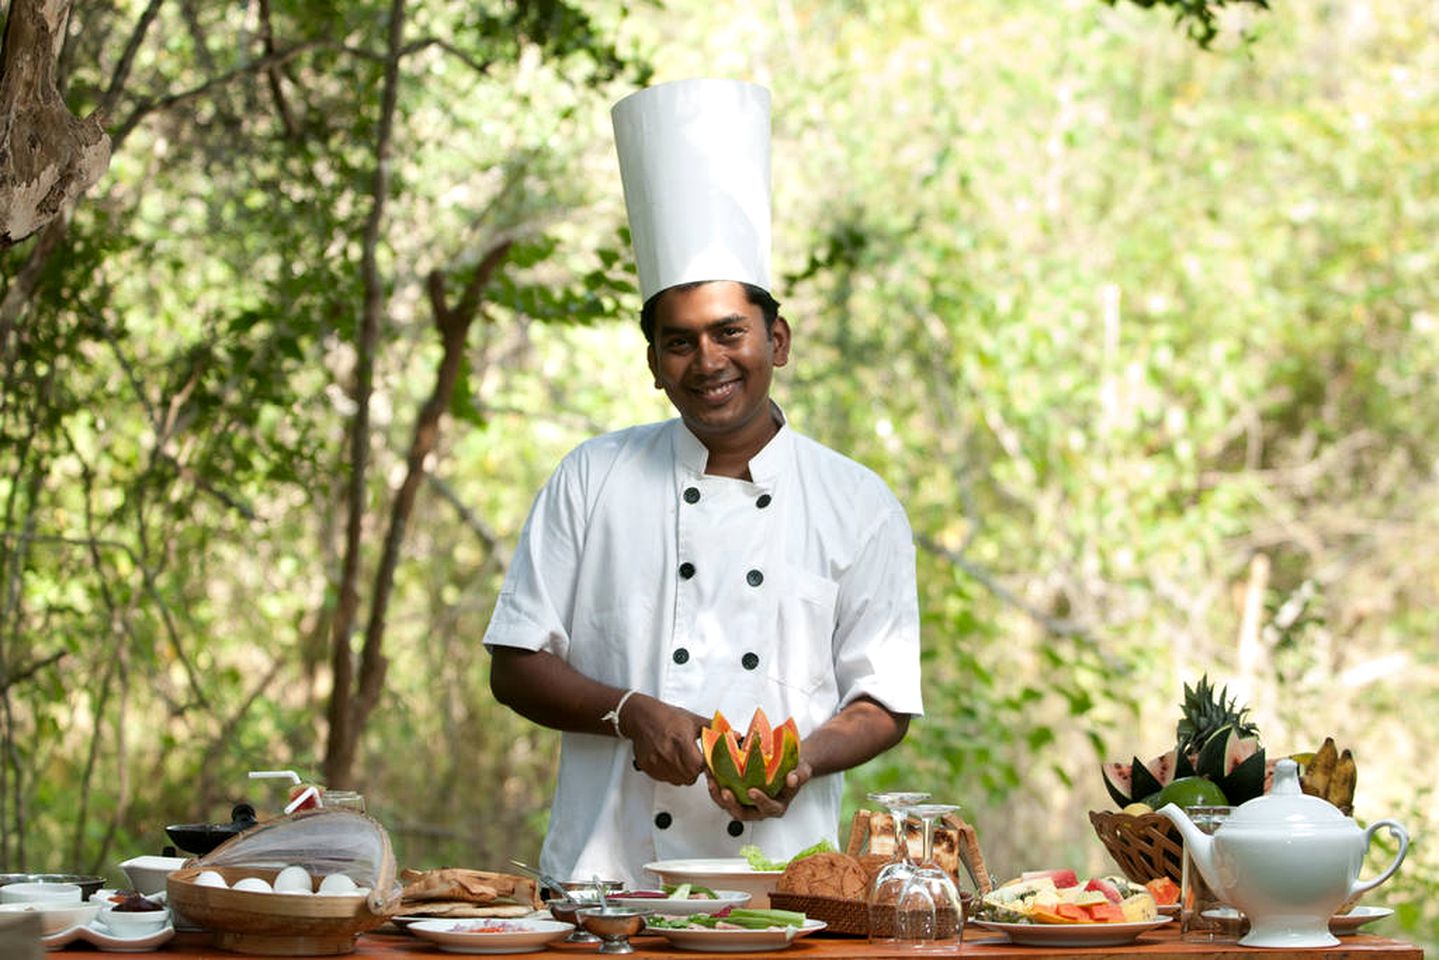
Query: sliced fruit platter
<point x="1056" y="908"/>
<point x="1061" y="897"/>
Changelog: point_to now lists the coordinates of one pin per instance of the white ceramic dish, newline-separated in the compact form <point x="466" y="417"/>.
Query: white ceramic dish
<point x="40" y="893"/>
<point x="55" y="917"/>
<point x="1071" y="934"/>
<point x="732" y="873"/>
<point x="736" y="941"/>
<point x="147" y="874"/>
<point x="1341" y="924"/>
<point x="682" y="908"/>
<point x="1344" y="924"/>
<point x="98" y="936"/>
<point x="518" y="936"/>
<point x="136" y="923"/>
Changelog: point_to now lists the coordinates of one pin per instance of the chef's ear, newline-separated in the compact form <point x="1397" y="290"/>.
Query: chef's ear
<point x="654" y="365"/>
<point x="779" y="335"/>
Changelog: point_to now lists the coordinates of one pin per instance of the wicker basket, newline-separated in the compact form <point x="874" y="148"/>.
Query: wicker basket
<point x="1145" y="846"/>
<point x="852" y="916"/>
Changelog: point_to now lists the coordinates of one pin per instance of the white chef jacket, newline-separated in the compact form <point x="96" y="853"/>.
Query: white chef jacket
<point x="794" y="591"/>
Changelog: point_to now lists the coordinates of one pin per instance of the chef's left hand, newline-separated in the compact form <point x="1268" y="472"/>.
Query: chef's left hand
<point x="764" y="806"/>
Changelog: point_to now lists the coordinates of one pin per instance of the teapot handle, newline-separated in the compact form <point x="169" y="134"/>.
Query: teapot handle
<point x="1395" y="830"/>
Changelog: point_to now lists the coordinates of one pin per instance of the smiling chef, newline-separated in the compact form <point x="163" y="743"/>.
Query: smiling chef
<point x="715" y="561"/>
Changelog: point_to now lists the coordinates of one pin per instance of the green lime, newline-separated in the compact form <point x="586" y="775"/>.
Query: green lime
<point x="1191" y="792"/>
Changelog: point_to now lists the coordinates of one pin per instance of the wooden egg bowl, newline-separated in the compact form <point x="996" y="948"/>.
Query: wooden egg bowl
<point x="270" y="924"/>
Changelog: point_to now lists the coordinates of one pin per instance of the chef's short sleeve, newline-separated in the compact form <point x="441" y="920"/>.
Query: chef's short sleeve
<point x="534" y="608"/>
<point x="876" y="640"/>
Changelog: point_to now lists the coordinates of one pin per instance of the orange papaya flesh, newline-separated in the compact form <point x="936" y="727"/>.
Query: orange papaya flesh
<point x="760" y="760"/>
<point x="1051" y="914"/>
<point x="1164" y="890"/>
<point x="1106" y="912"/>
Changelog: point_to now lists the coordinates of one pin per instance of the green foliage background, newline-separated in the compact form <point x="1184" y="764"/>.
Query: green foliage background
<point x="1137" y="331"/>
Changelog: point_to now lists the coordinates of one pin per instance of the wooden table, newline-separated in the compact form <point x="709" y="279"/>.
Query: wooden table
<point x="977" y="946"/>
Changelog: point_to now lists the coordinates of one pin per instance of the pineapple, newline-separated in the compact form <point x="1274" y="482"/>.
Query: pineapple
<point x="1206" y="714"/>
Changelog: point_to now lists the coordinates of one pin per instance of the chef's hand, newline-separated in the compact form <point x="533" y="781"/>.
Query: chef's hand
<point x="665" y="738"/>
<point x="764" y="806"/>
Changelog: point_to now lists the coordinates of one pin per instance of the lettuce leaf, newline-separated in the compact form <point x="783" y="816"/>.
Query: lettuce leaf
<point x="758" y="861"/>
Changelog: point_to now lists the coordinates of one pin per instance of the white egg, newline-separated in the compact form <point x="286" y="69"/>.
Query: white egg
<point x="209" y="878"/>
<point x="337" y="884"/>
<point x="293" y="880"/>
<point x="253" y="884"/>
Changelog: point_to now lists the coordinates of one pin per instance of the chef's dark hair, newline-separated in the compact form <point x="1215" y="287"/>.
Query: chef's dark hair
<point x="757" y="296"/>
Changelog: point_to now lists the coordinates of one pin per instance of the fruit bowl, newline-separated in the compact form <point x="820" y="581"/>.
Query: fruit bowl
<point x="1146" y="846"/>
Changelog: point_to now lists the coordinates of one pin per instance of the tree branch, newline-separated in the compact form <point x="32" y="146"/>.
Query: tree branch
<point x="340" y="749"/>
<point x="453" y="325"/>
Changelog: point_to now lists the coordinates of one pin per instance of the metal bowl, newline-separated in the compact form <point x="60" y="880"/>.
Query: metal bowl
<point x="567" y="911"/>
<point x="614" y="924"/>
<point x="590" y="889"/>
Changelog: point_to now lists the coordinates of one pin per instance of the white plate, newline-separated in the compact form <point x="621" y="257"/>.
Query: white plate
<point x="1342" y="924"/>
<point x="736" y="941"/>
<point x="725" y="873"/>
<point x="683" y="908"/>
<point x="520" y="936"/>
<point x="99" y="936"/>
<point x="1071" y="934"/>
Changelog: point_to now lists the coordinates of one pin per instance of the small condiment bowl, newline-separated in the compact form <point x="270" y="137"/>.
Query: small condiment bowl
<point x="614" y="925"/>
<point x="567" y="911"/>
<point x="590" y="889"/>
<point x="135" y="923"/>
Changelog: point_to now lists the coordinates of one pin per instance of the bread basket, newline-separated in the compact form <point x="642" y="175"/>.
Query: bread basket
<point x="324" y="842"/>
<point x="873" y="843"/>
<point x="1146" y="846"/>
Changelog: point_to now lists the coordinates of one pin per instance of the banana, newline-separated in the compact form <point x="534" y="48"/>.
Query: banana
<point x="1341" y="784"/>
<point x="1317" y="775"/>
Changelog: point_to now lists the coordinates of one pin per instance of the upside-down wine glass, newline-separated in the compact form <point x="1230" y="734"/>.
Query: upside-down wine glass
<point x="930" y="917"/>
<point x="890" y="882"/>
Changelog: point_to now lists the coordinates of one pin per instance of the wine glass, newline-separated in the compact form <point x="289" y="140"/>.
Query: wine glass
<point x="931" y="916"/>
<point x="889" y="883"/>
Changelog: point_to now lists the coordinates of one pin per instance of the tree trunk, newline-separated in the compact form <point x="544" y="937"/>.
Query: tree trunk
<point x="48" y="157"/>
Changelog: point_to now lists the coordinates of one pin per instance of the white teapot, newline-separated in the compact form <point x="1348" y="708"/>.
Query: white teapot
<point x="1287" y="860"/>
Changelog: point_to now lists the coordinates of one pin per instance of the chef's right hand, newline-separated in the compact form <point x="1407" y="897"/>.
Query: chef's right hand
<point x="665" y="739"/>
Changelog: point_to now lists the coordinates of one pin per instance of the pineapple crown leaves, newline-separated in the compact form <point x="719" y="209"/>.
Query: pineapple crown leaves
<point x="1207" y="713"/>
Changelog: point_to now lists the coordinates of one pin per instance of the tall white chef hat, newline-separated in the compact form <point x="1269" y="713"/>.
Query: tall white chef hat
<point x="694" y="160"/>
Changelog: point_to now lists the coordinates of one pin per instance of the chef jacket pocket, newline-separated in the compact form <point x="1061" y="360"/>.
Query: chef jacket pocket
<point x="804" y="654"/>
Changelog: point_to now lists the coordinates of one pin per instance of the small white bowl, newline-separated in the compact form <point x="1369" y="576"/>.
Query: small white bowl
<point x="147" y="874"/>
<point x="58" y="893"/>
<point x="135" y="923"/>
<point x="55" y="917"/>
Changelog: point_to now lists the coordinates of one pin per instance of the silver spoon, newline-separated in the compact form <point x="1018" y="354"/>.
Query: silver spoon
<point x="548" y="881"/>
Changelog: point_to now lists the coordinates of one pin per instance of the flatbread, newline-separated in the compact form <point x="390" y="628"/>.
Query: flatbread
<point x="459" y="909"/>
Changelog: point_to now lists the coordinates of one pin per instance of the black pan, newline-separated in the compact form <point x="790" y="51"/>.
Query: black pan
<point x="201" y="838"/>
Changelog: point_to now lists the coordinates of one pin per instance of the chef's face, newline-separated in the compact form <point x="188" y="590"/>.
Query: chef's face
<point x="714" y="359"/>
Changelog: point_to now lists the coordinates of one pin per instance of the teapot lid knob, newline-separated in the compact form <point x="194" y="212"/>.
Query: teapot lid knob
<point x="1286" y="778"/>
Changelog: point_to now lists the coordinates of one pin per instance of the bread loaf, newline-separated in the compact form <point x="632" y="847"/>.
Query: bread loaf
<point x="825" y="875"/>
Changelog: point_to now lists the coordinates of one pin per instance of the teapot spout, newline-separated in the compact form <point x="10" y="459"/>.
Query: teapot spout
<point x="1198" y="845"/>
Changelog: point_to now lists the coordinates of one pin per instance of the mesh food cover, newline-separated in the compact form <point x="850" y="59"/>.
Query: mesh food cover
<point x="324" y="842"/>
